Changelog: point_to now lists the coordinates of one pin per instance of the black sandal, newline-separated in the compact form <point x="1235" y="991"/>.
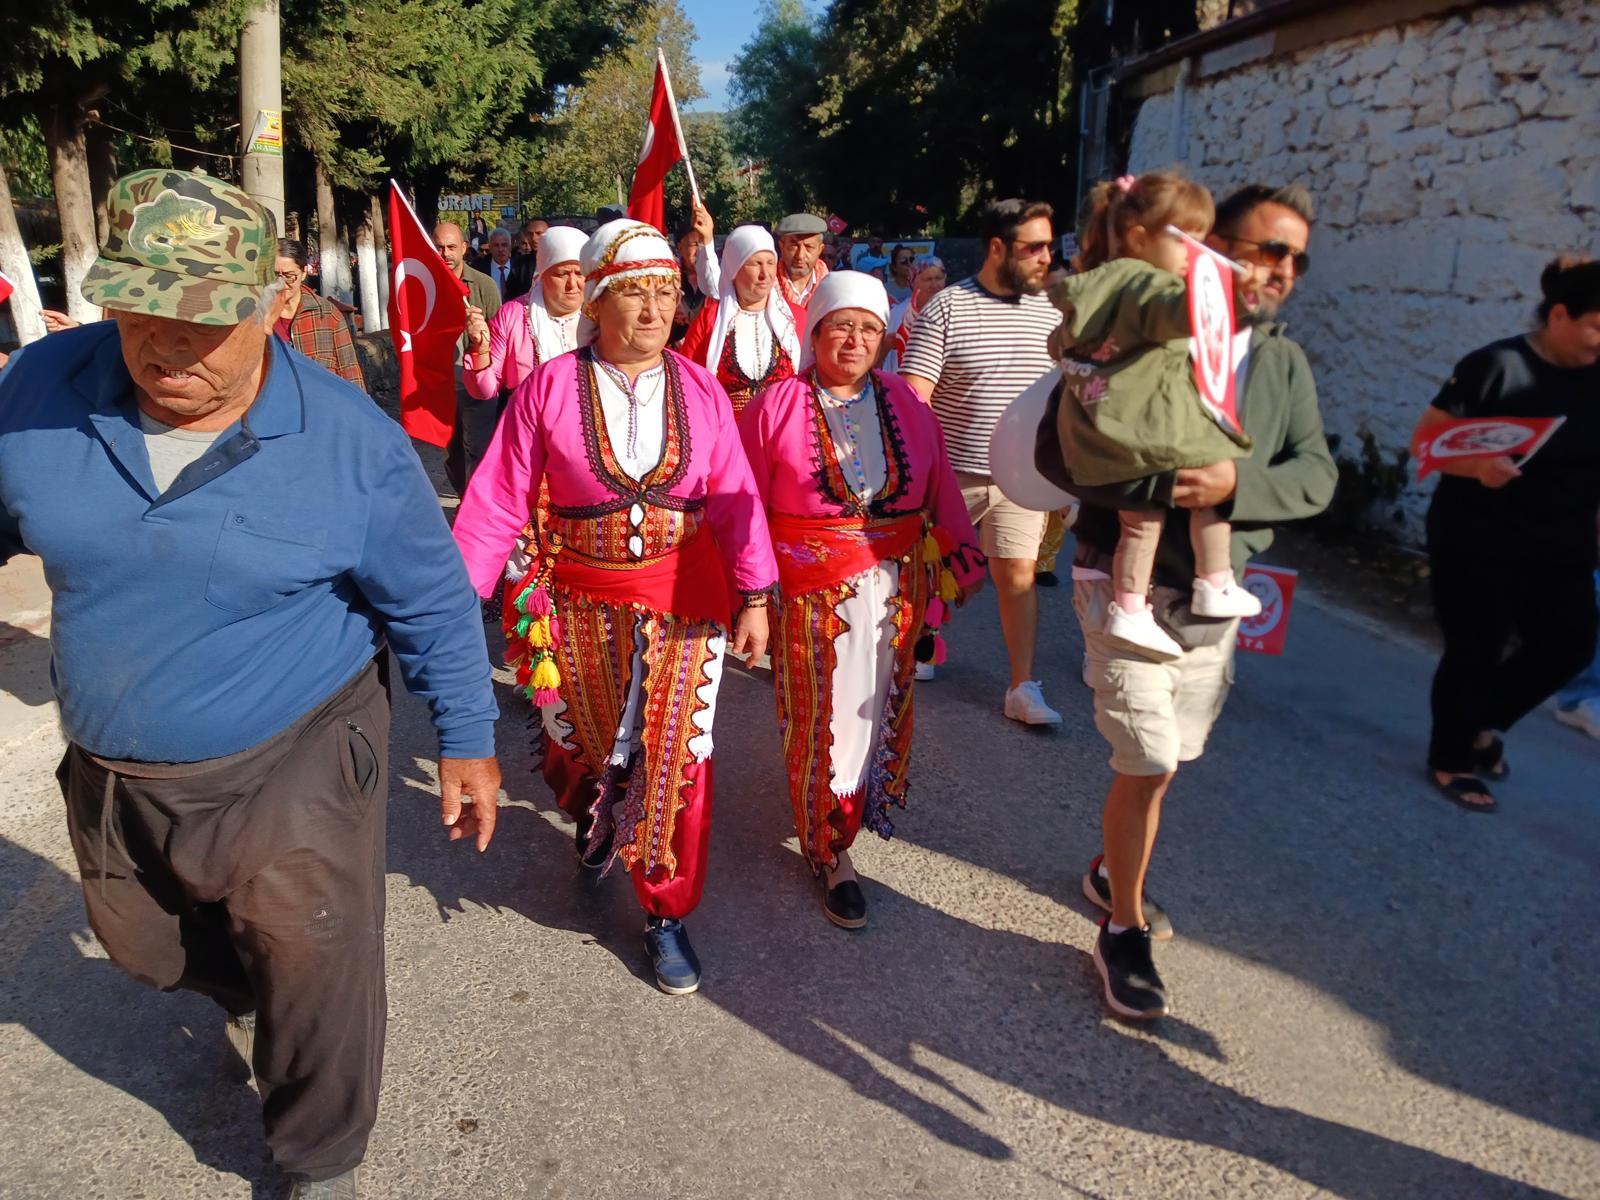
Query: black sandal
<point x="1459" y="787"/>
<point x="1491" y="759"/>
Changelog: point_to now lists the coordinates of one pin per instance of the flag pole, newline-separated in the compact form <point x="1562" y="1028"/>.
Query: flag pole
<point x="1238" y="269"/>
<point x="677" y="125"/>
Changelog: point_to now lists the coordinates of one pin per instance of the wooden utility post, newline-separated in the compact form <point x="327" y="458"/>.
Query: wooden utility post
<point x="261" y="108"/>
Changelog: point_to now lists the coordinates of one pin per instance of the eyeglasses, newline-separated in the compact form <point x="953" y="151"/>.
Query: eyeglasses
<point x="848" y="329"/>
<point x="1274" y="252"/>
<point x="1032" y="249"/>
<point x="287" y="276"/>
<point x="663" y="298"/>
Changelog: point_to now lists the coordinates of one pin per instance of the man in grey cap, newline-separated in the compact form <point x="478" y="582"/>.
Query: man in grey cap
<point x="800" y="265"/>
<point x="235" y="539"/>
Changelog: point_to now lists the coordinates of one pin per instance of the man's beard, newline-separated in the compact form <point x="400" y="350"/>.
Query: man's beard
<point x="1013" y="280"/>
<point x="1265" y="313"/>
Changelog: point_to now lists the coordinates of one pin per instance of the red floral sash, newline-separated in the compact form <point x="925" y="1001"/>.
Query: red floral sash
<point x="818" y="552"/>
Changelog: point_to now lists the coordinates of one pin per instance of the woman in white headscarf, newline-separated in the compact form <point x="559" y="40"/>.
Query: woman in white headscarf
<point x="750" y="337"/>
<point x="538" y="326"/>
<point x="872" y="541"/>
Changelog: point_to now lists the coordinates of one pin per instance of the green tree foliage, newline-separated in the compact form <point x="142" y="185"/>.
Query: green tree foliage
<point x="774" y="86"/>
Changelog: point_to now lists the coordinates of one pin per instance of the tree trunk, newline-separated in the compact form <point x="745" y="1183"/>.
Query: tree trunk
<point x="367" y="267"/>
<point x="102" y="175"/>
<point x="381" y="247"/>
<point x="14" y="262"/>
<point x="344" y="284"/>
<point x="69" y="171"/>
<point x="327" y="243"/>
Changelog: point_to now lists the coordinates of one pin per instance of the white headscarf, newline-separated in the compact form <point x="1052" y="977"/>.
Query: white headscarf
<point x="620" y="250"/>
<point x="560" y="244"/>
<point x="842" y="289"/>
<point x="743" y="243"/>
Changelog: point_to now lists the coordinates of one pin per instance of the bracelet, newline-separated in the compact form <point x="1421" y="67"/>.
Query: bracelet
<point x="756" y="599"/>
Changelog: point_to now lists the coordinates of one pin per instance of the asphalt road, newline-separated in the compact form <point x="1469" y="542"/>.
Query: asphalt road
<point x="1377" y="996"/>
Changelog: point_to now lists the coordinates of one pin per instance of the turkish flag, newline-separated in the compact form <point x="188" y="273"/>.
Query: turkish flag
<point x="427" y="316"/>
<point x="837" y="224"/>
<point x="647" y="199"/>
<point x="6" y="287"/>
<point x="1210" y="283"/>
<point x="1267" y="632"/>
<point x="1483" y="437"/>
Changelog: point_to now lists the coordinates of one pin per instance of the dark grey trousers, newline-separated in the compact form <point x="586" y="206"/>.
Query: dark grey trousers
<point x="476" y="421"/>
<point x="257" y="879"/>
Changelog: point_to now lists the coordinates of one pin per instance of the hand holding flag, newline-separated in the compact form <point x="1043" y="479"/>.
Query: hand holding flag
<point x="427" y="314"/>
<point x="1477" y="438"/>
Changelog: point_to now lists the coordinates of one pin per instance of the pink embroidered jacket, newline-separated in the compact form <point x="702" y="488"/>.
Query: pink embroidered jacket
<point x="512" y="353"/>
<point x="551" y="430"/>
<point x="783" y="432"/>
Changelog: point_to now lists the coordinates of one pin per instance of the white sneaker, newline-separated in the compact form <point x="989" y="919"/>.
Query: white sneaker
<point x="1230" y="600"/>
<point x="1584" y="715"/>
<point x="1139" y="633"/>
<point x="1025" y="703"/>
<point x="924" y="672"/>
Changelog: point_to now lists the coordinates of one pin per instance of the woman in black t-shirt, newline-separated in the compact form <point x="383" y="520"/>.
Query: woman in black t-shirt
<point x="1512" y="546"/>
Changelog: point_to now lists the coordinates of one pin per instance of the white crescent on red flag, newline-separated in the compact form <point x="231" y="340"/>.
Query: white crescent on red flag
<point x="1267" y="631"/>
<point x="1211" y="322"/>
<point x="647" y="199"/>
<point x="1483" y="437"/>
<point x="837" y="224"/>
<point x="427" y="316"/>
<point x="6" y="287"/>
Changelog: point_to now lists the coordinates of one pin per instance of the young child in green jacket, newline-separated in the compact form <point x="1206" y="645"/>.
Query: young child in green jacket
<point x="1129" y="406"/>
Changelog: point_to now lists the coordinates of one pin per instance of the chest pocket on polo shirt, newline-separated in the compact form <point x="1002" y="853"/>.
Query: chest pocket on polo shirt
<point x="260" y="561"/>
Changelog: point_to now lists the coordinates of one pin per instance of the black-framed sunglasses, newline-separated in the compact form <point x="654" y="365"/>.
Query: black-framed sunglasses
<point x="1274" y="252"/>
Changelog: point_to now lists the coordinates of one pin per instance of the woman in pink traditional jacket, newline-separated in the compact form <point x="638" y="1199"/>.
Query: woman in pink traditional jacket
<point x="655" y="559"/>
<point x="872" y="542"/>
<point x="538" y="326"/>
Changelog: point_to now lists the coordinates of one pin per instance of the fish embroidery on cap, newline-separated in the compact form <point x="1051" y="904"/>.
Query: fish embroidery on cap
<point x="171" y="221"/>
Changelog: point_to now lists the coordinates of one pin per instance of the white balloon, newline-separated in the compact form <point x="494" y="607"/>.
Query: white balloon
<point x="1011" y="449"/>
<point x="422" y="275"/>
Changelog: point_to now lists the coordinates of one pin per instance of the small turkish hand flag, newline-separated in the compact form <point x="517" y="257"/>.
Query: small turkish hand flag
<point x="647" y="199"/>
<point x="6" y="287"/>
<point x="1211" y="325"/>
<point x="427" y="316"/>
<point x="1483" y="437"/>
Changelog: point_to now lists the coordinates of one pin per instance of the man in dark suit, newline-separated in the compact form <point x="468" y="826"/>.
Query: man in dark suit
<point x="524" y="265"/>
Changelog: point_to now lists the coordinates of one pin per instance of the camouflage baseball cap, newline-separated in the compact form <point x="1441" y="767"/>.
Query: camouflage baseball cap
<point x="183" y="246"/>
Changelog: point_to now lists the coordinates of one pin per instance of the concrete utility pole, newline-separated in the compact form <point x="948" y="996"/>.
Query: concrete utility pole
<point x="261" y="108"/>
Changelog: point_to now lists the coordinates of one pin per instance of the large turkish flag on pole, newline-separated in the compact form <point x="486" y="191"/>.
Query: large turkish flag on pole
<point x="5" y="287"/>
<point x="663" y="148"/>
<point x="427" y="315"/>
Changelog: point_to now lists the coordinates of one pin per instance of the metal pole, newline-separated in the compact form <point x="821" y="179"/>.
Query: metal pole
<point x="261" y="108"/>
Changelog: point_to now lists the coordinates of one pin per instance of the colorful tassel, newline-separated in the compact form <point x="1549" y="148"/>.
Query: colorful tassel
<point x="940" y="652"/>
<point x="539" y="634"/>
<point x="544" y="696"/>
<point x="539" y="602"/>
<point x="934" y="615"/>
<point x="948" y="591"/>
<point x="930" y="547"/>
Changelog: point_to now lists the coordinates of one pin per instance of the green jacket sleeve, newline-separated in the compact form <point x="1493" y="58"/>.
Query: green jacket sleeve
<point x="1298" y="481"/>
<point x="1126" y="300"/>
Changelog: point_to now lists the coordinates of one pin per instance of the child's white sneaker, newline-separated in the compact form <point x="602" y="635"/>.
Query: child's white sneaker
<point x="1139" y="633"/>
<point x="1230" y="600"/>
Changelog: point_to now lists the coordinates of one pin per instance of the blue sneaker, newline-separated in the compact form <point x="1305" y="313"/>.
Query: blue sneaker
<point x="677" y="968"/>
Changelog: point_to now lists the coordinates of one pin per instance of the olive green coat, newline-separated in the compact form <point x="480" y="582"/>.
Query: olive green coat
<point x="1129" y="405"/>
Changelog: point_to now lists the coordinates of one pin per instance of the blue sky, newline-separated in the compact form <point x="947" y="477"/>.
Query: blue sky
<point x="724" y="26"/>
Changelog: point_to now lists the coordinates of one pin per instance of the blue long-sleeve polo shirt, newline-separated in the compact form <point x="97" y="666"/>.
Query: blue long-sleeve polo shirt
<point x="197" y="622"/>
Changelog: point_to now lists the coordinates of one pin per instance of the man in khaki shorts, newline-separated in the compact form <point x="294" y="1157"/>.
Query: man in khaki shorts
<point x="975" y="347"/>
<point x="1157" y="715"/>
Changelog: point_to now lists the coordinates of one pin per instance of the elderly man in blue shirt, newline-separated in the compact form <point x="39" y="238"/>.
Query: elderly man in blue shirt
<point x="234" y="538"/>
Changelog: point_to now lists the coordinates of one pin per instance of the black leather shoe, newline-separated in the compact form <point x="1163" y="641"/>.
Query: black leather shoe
<point x="677" y="969"/>
<point x="341" y="1187"/>
<point x="844" y="903"/>
<point x="601" y="854"/>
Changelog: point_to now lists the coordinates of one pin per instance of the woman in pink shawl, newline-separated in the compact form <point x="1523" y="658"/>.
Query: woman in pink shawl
<point x="872" y="542"/>
<point x="927" y="281"/>
<point x="538" y="326"/>
<point x="654" y="538"/>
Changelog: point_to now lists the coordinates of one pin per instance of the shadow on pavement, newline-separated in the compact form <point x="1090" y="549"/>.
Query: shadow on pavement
<point x="166" y="1051"/>
<point x="25" y="665"/>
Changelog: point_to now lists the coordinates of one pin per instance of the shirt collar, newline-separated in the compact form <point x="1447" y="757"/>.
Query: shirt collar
<point x="279" y="407"/>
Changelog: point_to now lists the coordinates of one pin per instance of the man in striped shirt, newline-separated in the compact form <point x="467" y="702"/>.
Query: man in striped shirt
<point x="975" y="346"/>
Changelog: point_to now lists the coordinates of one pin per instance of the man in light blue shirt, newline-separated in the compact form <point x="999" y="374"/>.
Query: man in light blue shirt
<point x="234" y="538"/>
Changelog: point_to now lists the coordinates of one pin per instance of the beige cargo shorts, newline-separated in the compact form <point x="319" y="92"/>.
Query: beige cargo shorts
<point x="1005" y="529"/>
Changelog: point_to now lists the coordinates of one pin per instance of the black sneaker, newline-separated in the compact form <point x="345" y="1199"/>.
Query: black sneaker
<point x="601" y="854"/>
<point x="844" y="903"/>
<point x="1133" y="988"/>
<point x="677" y="969"/>
<point x="1046" y="579"/>
<point x="1097" y="891"/>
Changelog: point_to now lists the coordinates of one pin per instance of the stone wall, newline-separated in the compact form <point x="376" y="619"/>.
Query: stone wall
<point x="1450" y="159"/>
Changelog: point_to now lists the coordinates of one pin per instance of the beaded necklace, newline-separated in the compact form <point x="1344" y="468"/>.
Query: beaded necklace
<point x="846" y="408"/>
<point x="620" y="377"/>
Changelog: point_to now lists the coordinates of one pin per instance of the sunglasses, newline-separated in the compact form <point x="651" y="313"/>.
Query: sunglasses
<point x="1031" y="249"/>
<point x="1274" y="252"/>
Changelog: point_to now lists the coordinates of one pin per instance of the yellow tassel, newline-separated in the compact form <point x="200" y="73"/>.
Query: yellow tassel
<point x="930" y="548"/>
<point x="539" y="634"/>
<point x="545" y="674"/>
<point x="948" y="590"/>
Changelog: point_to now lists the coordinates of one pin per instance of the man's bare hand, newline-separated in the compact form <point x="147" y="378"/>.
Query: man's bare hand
<point x="1206" y="487"/>
<point x="1498" y="471"/>
<point x="55" y="322"/>
<point x="477" y="780"/>
<point x="751" y="633"/>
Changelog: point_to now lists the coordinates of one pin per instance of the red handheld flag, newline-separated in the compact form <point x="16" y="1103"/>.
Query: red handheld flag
<point x="1483" y="437"/>
<point x="1211" y="320"/>
<point x="427" y="316"/>
<point x="6" y="287"/>
<point x="837" y="224"/>
<point x="1274" y="587"/>
<point x="647" y="199"/>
